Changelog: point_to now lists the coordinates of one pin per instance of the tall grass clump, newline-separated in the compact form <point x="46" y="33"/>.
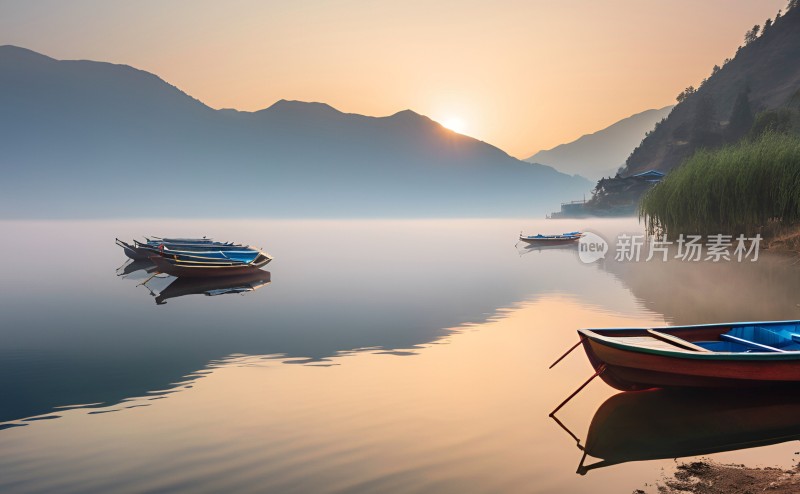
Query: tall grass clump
<point x="741" y="188"/>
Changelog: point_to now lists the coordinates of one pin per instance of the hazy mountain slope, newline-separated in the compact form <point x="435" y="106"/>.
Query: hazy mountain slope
<point x="80" y="138"/>
<point x="769" y="68"/>
<point x="601" y="154"/>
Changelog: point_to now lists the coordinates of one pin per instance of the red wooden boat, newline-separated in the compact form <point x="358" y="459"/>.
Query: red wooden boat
<point x="745" y="354"/>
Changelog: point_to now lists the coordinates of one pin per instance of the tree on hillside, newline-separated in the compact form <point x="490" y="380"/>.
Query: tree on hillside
<point x="741" y="117"/>
<point x="792" y="4"/>
<point x="752" y="34"/>
<point x="767" y="25"/>
<point x="716" y="69"/>
<point x="686" y="93"/>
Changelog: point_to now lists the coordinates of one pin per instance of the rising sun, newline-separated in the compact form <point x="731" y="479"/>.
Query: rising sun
<point x="455" y="124"/>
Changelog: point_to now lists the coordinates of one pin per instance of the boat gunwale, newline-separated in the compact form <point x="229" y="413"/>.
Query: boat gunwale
<point x="681" y="353"/>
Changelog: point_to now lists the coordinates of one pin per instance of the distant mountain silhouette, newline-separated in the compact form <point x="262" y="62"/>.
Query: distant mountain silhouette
<point x="93" y="139"/>
<point x="764" y="76"/>
<point x="602" y="153"/>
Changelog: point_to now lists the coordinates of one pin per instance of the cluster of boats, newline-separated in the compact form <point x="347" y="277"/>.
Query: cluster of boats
<point x="196" y="257"/>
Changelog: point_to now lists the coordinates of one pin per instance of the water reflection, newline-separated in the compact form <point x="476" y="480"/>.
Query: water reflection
<point x="524" y="248"/>
<point x="663" y="424"/>
<point x="706" y="292"/>
<point x="133" y="266"/>
<point x="178" y="287"/>
<point x="243" y="283"/>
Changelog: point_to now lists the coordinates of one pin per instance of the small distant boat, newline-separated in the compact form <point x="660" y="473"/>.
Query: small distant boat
<point x="742" y="354"/>
<point x="539" y="239"/>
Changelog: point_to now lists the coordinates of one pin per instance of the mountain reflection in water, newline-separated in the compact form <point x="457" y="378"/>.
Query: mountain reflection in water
<point x="689" y="292"/>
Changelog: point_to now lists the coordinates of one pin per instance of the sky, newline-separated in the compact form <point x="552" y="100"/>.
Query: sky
<point x="522" y="75"/>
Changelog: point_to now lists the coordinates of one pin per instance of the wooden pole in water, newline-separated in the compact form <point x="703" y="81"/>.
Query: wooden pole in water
<point x="567" y="353"/>
<point x="600" y="370"/>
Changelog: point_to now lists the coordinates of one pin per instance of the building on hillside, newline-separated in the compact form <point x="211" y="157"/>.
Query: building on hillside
<point x="618" y="196"/>
<point x="572" y="209"/>
<point x="652" y="176"/>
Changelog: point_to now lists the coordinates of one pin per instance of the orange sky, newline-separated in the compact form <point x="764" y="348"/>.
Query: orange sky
<point x="522" y="75"/>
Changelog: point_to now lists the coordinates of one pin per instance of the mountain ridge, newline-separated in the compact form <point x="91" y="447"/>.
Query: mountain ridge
<point x="764" y="73"/>
<point x="77" y="136"/>
<point x="603" y="152"/>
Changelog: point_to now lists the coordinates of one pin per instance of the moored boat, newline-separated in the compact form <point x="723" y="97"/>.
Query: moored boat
<point x="539" y="239"/>
<point x="744" y="354"/>
<point x="155" y="245"/>
<point x="244" y="256"/>
<point x="132" y="251"/>
<point x="207" y="268"/>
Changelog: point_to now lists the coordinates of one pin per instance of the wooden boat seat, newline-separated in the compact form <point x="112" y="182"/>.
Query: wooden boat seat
<point x="680" y="342"/>
<point x="751" y="344"/>
<point x="648" y="342"/>
<point x="764" y="339"/>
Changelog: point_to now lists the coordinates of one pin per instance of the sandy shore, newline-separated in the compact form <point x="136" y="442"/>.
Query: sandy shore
<point x="709" y="477"/>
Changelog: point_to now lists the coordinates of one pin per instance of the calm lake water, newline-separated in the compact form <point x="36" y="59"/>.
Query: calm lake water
<point x="381" y="356"/>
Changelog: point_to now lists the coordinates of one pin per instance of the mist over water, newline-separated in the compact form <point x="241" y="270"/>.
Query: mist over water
<point x="388" y="356"/>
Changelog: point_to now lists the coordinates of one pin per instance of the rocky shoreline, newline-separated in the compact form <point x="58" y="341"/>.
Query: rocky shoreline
<point x="709" y="477"/>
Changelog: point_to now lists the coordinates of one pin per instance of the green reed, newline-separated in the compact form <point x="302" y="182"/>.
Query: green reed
<point x="740" y="188"/>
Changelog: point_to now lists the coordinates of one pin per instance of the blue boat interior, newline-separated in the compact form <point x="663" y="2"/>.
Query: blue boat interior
<point x="757" y="338"/>
<point x="563" y="235"/>
<point x="245" y="256"/>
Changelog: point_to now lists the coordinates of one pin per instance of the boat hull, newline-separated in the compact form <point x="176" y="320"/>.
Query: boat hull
<point x="632" y="369"/>
<point x="133" y="252"/>
<point x="207" y="270"/>
<point x="562" y="239"/>
<point x="540" y="241"/>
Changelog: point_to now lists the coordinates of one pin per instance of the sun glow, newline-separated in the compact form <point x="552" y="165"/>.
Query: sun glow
<point x="455" y="124"/>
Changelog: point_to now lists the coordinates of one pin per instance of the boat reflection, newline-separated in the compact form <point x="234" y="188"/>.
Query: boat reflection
<point x="663" y="424"/>
<point x="247" y="281"/>
<point x="132" y="266"/>
<point x="240" y="283"/>
<point x="524" y="248"/>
